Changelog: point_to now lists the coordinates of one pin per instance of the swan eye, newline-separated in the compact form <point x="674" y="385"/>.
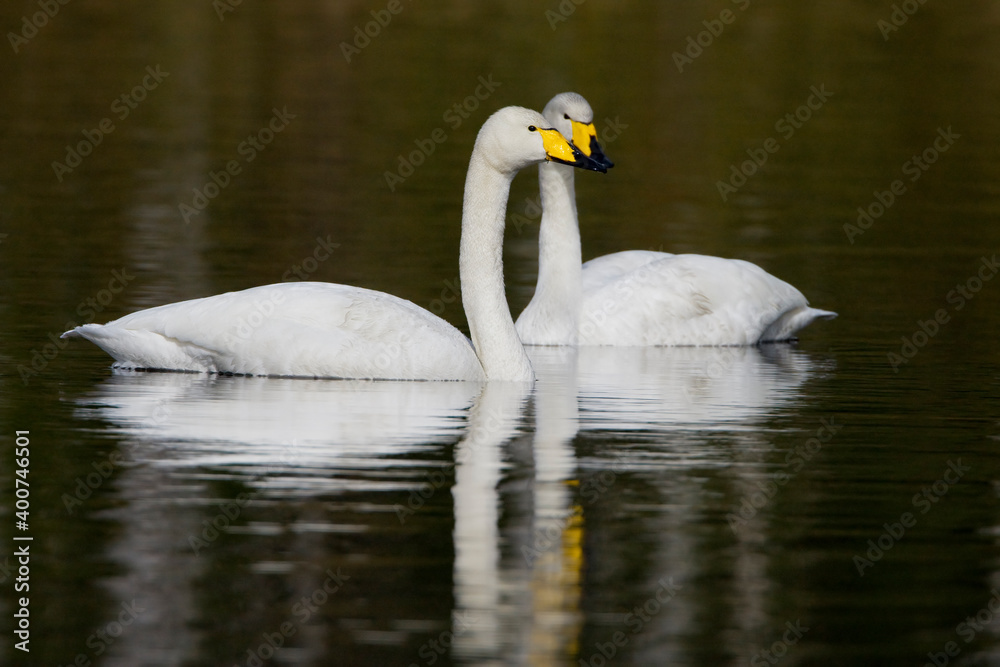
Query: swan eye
<point x="566" y="116"/>
<point x="532" y="128"/>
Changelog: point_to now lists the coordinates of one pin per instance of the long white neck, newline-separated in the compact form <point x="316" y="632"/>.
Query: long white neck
<point x="481" y="270"/>
<point x="559" y="254"/>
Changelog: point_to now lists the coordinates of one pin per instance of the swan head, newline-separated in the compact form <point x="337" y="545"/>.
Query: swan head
<point x="571" y="114"/>
<point x="514" y="138"/>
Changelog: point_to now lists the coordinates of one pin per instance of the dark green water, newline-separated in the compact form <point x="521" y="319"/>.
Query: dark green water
<point x="832" y="503"/>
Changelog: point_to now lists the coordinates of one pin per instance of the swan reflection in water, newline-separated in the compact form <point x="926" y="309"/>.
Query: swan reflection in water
<point x="526" y="537"/>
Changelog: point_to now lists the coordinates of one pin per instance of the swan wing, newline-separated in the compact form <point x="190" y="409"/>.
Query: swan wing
<point x="605" y="269"/>
<point x="551" y="317"/>
<point x="693" y="300"/>
<point x="291" y="329"/>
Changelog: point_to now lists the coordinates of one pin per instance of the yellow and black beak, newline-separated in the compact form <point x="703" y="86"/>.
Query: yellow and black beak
<point x="585" y="138"/>
<point x="559" y="149"/>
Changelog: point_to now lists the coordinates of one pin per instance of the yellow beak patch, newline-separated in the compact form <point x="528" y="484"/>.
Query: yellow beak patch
<point x="582" y="135"/>
<point x="556" y="145"/>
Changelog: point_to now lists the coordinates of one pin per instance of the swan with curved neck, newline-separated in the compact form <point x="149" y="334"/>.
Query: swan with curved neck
<point x="638" y="297"/>
<point x="312" y="329"/>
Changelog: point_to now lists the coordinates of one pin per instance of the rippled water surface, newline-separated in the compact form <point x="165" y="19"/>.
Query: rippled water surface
<point x="831" y="502"/>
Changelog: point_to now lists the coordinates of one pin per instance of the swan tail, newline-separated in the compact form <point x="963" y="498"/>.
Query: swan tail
<point x="143" y="349"/>
<point x="822" y="314"/>
<point x="791" y="322"/>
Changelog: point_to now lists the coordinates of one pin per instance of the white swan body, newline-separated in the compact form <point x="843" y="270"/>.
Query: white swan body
<point x="338" y="331"/>
<point x="641" y="297"/>
<point x="291" y="329"/>
<point x="688" y="300"/>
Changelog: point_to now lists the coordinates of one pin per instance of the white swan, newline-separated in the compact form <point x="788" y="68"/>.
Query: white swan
<point x="325" y="330"/>
<point x="642" y="297"/>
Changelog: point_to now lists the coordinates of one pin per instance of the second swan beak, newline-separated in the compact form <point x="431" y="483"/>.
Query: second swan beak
<point x="559" y="149"/>
<point x="585" y="138"/>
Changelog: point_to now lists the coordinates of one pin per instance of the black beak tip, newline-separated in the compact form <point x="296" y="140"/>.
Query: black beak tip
<point x="597" y="154"/>
<point x="591" y="163"/>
